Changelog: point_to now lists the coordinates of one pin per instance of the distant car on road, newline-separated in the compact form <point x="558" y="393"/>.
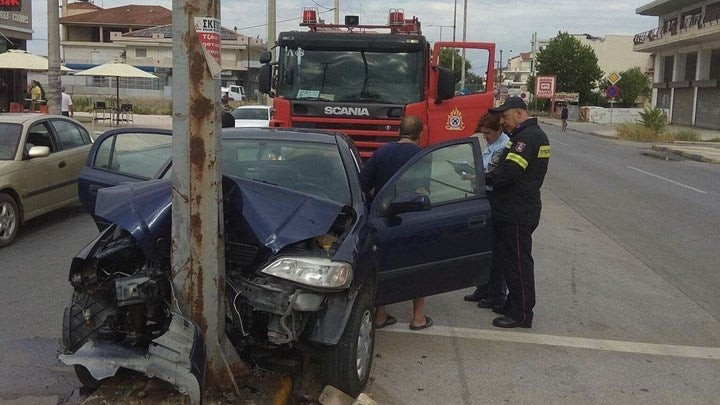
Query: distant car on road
<point x="40" y="159"/>
<point x="256" y="116"/>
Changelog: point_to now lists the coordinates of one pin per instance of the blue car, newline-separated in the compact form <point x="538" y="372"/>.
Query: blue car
<point x="308" y="257"/>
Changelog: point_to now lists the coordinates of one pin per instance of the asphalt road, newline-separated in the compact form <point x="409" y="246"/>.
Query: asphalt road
<point x="627" y="281"/>
<point x="667" y="213"/>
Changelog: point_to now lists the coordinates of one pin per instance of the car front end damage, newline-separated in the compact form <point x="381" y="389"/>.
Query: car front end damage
<point x="284" y="281"/>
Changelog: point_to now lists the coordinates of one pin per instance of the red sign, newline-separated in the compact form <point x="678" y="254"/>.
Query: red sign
<point x="208" y="32"/>
<point x="545" y="86"/>
<point x="13" y="5"/>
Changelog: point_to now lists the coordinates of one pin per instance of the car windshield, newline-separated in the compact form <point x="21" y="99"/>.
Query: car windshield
<point x="312" y="168"/>
<point x="250" y="114"/>
<point x="347" y="76"/>
<point x="9" y="138"/>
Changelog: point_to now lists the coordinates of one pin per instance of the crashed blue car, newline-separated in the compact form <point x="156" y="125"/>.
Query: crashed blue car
<point x="308" y="257"/>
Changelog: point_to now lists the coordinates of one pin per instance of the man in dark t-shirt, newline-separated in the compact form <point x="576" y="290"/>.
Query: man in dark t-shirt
<point x="383" y="164"/>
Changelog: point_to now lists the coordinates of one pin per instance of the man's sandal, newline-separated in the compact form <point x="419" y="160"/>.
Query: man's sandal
<point x="390" y="320"/>
<point x="428" y="323"/>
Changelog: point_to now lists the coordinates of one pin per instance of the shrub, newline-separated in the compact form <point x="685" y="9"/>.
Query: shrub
<point x="685" y="135"/>
<point x="653" y="118"/>
<point x="641" y="133"/>
<point x="714" y="139"/>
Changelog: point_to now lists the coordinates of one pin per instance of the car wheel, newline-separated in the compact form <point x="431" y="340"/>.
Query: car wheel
<point x="347" y="364"/>
<point x="9" y="220"/>
<point x="76" y="331"/>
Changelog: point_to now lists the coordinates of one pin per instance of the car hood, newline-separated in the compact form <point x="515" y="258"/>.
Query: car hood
<point x="252" y="123"/>
<point x="275" y="216"/>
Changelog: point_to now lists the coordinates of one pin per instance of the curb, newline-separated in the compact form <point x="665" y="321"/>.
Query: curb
<point x="687" y="155"/>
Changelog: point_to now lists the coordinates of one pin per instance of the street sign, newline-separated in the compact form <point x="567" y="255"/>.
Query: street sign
<point x="523" y="95"/>
<point x="612" y="92"/>
<point x="614" y="78"/>
<point x="545" y="87"/>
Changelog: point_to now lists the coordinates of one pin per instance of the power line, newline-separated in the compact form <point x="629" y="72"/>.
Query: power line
<point x="321" y="6"/>
<point x="281" y="21"/>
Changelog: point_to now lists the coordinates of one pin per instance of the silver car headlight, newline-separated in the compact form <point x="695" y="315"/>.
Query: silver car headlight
<point x="311" y="271"/>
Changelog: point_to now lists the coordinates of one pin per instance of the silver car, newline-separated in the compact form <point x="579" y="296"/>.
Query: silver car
<point x="40" y="159"/>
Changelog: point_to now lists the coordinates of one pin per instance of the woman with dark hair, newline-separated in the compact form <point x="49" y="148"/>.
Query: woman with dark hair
<point x="493" y="293"/>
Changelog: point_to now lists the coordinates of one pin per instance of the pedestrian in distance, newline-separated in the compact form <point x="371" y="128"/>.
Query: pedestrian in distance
<point x="36" y="95"/>
<point x="564" y="117"/>
<point x="516" y="205"/>
<point x="492" y="294"/>
<point x="66" y="104"/>
<point x="381" y="166"/>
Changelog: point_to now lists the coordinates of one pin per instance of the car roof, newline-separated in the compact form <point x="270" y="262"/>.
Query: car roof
<point x="253" y="106"/>
<point x="20" y="118"/>
<point x="282" y="134"/>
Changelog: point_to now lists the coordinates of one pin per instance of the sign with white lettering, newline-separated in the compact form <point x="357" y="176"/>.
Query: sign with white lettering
<point x="545" y="87"/>
<point x="208" y="32"/>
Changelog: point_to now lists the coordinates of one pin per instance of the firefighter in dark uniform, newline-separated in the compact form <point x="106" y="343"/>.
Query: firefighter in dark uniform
<point x="515" y="202"/>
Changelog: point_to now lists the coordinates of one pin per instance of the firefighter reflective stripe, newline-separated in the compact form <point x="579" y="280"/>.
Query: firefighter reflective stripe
<point x="544" y="151"/>
<point x="508" y="145"/>
<point x="517" y="159"/>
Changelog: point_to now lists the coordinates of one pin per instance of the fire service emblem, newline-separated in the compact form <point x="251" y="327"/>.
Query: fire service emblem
<point x="455" y="121"/>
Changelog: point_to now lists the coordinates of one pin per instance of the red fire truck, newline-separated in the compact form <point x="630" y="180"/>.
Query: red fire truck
<point x="362" y="79"/>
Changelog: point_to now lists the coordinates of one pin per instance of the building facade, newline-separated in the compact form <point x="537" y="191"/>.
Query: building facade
<point x="15" y="31"/>
<point x="686" y="45"/>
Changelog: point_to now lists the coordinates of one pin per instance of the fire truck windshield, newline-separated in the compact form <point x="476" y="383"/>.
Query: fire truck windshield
<point x="350" y="76"/>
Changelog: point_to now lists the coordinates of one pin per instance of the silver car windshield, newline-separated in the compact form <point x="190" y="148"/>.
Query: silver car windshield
<point x="9" y="138"/>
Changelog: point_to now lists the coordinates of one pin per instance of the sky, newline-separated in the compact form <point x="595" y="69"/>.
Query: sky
<point x="509" y="24"/>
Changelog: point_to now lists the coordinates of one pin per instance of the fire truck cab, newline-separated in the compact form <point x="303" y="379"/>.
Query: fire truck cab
<point x="358" y="80"/>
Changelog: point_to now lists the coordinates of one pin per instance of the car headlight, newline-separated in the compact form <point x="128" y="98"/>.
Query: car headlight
<point x="311" y="271"/>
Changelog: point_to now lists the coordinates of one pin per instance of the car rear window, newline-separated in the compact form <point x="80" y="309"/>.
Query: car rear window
<point x="250" y="114"/>
<point x="9" y="139"/>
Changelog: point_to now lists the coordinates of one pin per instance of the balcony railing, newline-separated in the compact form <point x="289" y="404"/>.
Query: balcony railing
<point x="698" y="21"/>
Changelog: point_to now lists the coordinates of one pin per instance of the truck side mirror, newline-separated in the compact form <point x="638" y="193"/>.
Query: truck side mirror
<point x="265" y="78"/>
<point x="265" y="57"/>
<point x="445" y="84"/>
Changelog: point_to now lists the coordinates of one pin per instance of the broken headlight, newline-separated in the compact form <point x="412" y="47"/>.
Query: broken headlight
<point x="311" y="271"/>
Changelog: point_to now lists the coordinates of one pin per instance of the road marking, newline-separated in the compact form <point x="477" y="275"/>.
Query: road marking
<point x="561" y="143"/>
<point x="668" y="180"/>
<point x="712" y="353"/>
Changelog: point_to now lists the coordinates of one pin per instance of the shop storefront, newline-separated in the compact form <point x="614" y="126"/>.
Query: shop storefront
<point x="15" y="31"/>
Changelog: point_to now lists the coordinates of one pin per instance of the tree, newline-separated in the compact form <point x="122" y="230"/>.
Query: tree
<point x="446" y="57"/>
<point x="575" y="65"/>
<point x="633" y="83"/>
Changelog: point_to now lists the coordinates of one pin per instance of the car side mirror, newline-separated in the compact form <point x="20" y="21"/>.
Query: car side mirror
<point x="38" y="151"/>
<point x="265" y="78"/>
<point x="445" y="84"/>
<point x="265" y="57"/>
<point x="409" y="202"/>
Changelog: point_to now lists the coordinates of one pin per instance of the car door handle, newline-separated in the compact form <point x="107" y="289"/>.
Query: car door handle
<point x="93" y="189"/>
<point x="479" y="221"/>
<point x="62" y="164"/>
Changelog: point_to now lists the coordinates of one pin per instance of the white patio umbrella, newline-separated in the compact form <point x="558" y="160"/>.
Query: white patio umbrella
<point x="19" y="59"/>
<point x="116" y="70"/>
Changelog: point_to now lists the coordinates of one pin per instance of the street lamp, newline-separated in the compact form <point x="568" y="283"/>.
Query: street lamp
<point x="441" y="29"/>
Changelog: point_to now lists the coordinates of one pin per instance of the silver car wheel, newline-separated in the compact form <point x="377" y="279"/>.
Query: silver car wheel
<point x="8" y="220"/>
<point x="364" y="345"/>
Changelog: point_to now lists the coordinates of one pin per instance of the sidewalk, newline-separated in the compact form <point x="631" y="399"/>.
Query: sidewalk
<point x="708" y="152"/>
<point x="147" y="121"/>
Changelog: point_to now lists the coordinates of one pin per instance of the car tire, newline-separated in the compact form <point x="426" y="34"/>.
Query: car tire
<point x="9" y="220"/>
<point x="76" y="331"/>
<point x="347" y="364"/>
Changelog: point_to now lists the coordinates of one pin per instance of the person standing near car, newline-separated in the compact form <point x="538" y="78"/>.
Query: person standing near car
<point x="493" y="293"/>
<point x="516" y="206"/>
<point x="66" y="104"/>
<point x="381" y="166"/>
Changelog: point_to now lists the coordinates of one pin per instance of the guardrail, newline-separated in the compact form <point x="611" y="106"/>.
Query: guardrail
<point x="698" y="21"/>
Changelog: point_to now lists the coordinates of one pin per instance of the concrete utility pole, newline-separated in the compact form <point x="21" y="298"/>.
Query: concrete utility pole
<point x="272" y="34"/>
<point x="53" y="89"/>
<point x="337" y="12"/>
<point x="198" y="259"/>
<point x="462" y="72"/>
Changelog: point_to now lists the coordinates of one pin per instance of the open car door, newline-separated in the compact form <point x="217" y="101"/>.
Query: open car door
<point x="431" y="228"/>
